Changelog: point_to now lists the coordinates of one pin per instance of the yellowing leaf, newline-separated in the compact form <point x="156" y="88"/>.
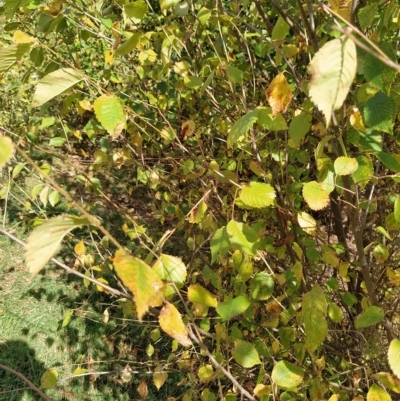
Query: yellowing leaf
<point x="356" y="120"/>
<point x="79" y="371"/>
<point x="159" y="377"/>
<point x="342" y="7"/>
<point x="45" y="240"/>
<point x="332" y="69"/>
<point x="6" y="150"/>
<point x="199" y="295"/>
<point x="394" y="357"/>
<point x="394" y="276"/>
<point x="171" y="268"/>
<point x="49" y="379"/>
<point x="307" y="223"/>
<point x="287" y="375"/>
<point x="258" y="195"/>
<point x="143" y="390"/>
<point x="377" y="393"/>
<point x="262" y="389"/>
<point x="245" y="354"/>
<point x="345" y="165"/>
<point x="316" y="197"/>
<point x="80" y="248"/>
<point x="206" y="373"/>
<point x="21" y="37"/>
<point x="279" y="94"/>
<point x="140" y="279"/>
<point x="171" y="322"/>
<point x="110" y="112"/>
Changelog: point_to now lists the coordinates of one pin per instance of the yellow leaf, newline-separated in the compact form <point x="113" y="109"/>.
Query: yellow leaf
<point x="140" y="278"/>
<point x="21" y="37"/>
<point x="99" y="288"/>
<point x="159" y="377"/>
<point x="279" y="94"/>
<point x="109" y="57"/>
<point x="79" y="371"/>
<point x="49" y="379"/>
<point x="80" y="248"/>
<point x="307" y="223"/>
<point x="315" y="196"/>
<point x="342" y="7"/>
<point x="356" y="120"/>
<point x="394" y="276"/>
<point x="262" y="389"/>
<point x="171" y="322"/>
<point x="88" y="21"/>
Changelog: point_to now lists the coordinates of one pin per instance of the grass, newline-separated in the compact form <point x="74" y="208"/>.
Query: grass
<point x="33" y="340"/>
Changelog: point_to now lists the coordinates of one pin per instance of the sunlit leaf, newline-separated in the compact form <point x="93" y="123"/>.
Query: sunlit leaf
<point x="262" y="286"/>
<point x="9" y="55"/>
<point x="258" y="195"/>
<point x="279" y="94"/>
<point x="45" y="240"/>
<point x="110" y="112"/>
<point x="379" y="113"/>
<point x="364" y="172"/>
<point x="388" y="380"/>
<point x="165" y="4"/>
<point x="390" y="160"/>
<point x="371" y="316"/>
<point x="345" y="165"/>
<point x="381" y="253"/>
<point x="219" y="244"/>
<point x="377" y="393"/>
<point x="159" y="377"/>
<point x="316" y="197"/>
<point x="49" y="379"/>
<point x="245" y="354"/>
<point x="199" y="295"/>
<point x="140" y="279"/>
<point x="6" y="150"/>
<point x="171" y="322"/>
<point x="54" y="84"/>
<point x="242" y="237"/>
<point x="136" y="10"/>
<point x="332" y="69"/>
<point x="171" y="268"/>
<point x="307" y="223"/>
<point x="206" y="373"/>
<point x="394" y="357"/>
<point x="67" y="317"/>
<point x="342" y="7"/>
<point x="287" y="375"/>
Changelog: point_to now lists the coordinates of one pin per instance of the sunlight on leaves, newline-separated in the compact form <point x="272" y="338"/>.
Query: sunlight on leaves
<point x="199" y="295"/>
<point x="287" y="375"/>
<point x="6" y="150"/>
<point x="258" y="195"/>
<point x="316" y="197"/>
<point x="49" y="379"/>
<point x="245" y="354"/>
<point x="279" y="94"/>
<point x="345" y="165"/>
<point x="371" y="316"/>
<point x="171" y="322"/>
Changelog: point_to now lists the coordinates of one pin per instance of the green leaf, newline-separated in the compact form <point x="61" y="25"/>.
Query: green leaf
<point x="233" y="307"/>
<point x="332" y="69"/>
<point x="193" y="82"/>
<point x="388" y="380"/>
<point x="314" y="308"/>
<point x="281" y="29"/>
<point x="381" y="253"/>
<point x="171" y="269"/>
<point x="199" y="295"/>
<point x="54" y="198"/>
<point x="219" y="244"/>
<point x="240" y="129"/>
<point x="242" y="237"/>
<point x="245" y="354"/>
<point x="165" y="4"/>
<point x="299" y="126"/>
<point x="45" y="240"/>
<point x="394" y="357"/>
<point x="390" y="160"/>
<point x="129" y="44"/>
<point x="54" y="84"/>
<point x="110" y="112"/>
<point x="258" y="195"/>
<point x="345" y="165"/>
<point x="364" y="172"/>
<point x="371" y="316"/>
<point x="136" y="10"/>
<point x="316" y="197"/>
<point x="67" y="317"/>
<point x="335" y="313"/>
<point x="234" y="74"/>
<point x="377" y="393"/>
<point x="366" y="16"/>
<point x="206" y="373"/>
<point x="57" y="141"/>
<point x="6" y="150"/>
<point x="379" y="113"/>
<point x="140" y="279"/>
<point x="397" y="208"/>
<point x="262" y="286"/>
<point x="9" y="55"/>
<point x="203" y="15"/>
<point x="49" y="379"/>
<point x="287" y="375"/>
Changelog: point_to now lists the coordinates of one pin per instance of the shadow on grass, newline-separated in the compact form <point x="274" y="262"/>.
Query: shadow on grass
<point x="19" y="356"/>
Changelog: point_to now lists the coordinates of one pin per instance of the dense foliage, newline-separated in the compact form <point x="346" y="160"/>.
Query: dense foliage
<point x="236" y="163"/>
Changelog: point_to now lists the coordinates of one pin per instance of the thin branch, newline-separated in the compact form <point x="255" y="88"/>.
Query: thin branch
<point x="27" y="381"/>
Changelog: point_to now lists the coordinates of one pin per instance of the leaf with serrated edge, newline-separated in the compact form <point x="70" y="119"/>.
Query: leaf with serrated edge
<point x="258" y="195"/>
<point x="245" y="354"/>
<point x="45" y="240"/>
<point x="110" y="112"/>
<point x="171" y="269"/>
<point x="199" y="295"/>
<point x="54" y="84"/>
<point x="141" y="280"/>
<point x="287" y="375"/>
<point x="241" y="127"/>
<point x="171" y="322"/>
<point x="316" y="197"/>
<point x="332" y="69"/>
<point x="345" y="165"/>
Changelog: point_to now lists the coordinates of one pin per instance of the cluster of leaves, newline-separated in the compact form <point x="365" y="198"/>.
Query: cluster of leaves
<point x="265" y="136"/>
